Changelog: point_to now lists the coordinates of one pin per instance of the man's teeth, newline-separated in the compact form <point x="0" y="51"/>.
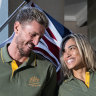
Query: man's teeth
<point x="29" y="45"/>
<point x="71" y="60"/>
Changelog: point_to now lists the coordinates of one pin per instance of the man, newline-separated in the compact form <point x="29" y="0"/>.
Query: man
<point x="23" y="72"/>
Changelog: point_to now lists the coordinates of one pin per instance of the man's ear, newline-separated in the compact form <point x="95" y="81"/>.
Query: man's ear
<point x="16" y="27"/>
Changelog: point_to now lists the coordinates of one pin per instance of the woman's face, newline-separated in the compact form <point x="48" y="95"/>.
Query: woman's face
<point x="71" y="55"/>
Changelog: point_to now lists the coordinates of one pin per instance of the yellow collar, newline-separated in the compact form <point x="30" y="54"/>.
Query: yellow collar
<point x="14" y="66"/>
<point x="87" y="79"/>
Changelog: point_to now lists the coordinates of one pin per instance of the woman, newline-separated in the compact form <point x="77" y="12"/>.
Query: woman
<point x="78" y="64"/>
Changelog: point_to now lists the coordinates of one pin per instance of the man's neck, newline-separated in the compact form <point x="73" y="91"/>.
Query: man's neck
<point x="14" y="54"/>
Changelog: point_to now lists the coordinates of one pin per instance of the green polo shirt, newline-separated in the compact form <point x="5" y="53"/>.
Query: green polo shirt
<point x="35" y="77"/>
<point x="75" y="87"/>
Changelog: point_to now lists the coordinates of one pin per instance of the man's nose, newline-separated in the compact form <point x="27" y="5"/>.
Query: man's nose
<point x="36" y="41"/>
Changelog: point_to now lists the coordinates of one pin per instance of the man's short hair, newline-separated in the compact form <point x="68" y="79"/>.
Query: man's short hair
<point x="28" y="14"/>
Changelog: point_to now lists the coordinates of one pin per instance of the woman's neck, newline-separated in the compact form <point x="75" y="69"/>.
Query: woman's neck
<point x="80" y="73"/>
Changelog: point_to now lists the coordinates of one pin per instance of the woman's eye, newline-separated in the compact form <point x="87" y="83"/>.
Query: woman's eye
<point x="71" y="48"/>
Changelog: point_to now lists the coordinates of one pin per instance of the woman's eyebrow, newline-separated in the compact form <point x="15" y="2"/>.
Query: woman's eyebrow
<point x="72" y="46"/>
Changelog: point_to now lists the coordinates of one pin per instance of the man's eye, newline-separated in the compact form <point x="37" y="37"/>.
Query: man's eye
<point x="33" y="35"/>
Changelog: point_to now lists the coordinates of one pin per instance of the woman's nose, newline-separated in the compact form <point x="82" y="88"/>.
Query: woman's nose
<point x="67" y="54"/>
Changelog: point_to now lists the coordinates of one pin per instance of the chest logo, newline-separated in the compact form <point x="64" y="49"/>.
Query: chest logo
<point x="34" y="81"/>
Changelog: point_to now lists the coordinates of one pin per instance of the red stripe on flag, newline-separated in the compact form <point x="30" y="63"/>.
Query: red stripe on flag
<point x="52" y="47"/>
<point x="51" y="34"/>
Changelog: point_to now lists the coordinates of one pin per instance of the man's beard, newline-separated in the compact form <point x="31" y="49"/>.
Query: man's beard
<point x="20" y="43"/>
<point x="22" y="53"/>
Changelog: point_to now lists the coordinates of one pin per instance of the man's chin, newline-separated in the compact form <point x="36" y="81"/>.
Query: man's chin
<point x="27" y="53"/>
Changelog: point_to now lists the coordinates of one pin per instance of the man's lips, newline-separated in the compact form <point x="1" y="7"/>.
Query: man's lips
<point x="30" y="46"/>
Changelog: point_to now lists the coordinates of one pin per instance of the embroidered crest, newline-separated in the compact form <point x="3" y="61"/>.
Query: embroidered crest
<point x="34" y="81"/>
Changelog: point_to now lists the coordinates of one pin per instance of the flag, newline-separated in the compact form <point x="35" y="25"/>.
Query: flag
<point x="49" y="45"/>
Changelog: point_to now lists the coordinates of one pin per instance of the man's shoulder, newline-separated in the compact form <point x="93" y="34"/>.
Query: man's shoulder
<point x="44" y="62"/>
<point x="42" y="59"/>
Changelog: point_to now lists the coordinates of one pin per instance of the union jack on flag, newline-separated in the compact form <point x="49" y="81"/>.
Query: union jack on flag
<point x="49" y="45"/>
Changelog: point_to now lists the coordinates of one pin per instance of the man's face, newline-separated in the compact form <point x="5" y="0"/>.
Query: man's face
<point x="28" y="36"/>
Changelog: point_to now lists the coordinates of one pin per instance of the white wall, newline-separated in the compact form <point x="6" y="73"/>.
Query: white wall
<point x="3" y="17"/>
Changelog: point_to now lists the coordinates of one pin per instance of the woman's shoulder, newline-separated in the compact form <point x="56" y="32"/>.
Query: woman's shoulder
<point x="64" y="84"/>
<point x="64" y="88"/>
<point x="67" y="83"/>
